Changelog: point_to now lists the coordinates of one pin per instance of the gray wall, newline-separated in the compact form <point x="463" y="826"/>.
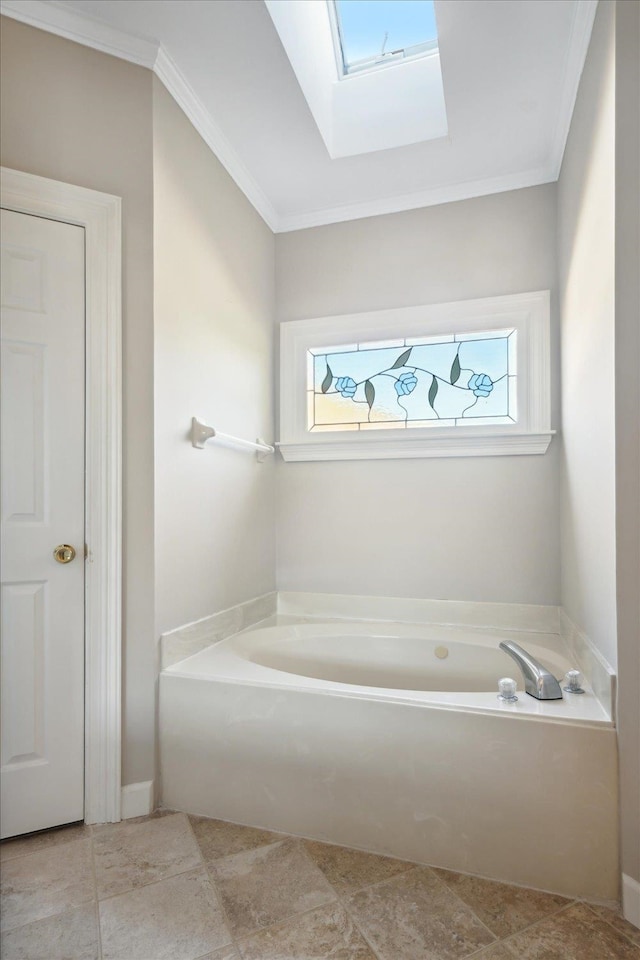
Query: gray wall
<point x="214" y="305"/>
<point x="599" y="257"/>
<point x="469" y="529"/>
<point x="627" y="292"/>
<point x="73" y="114"/>
<point x="586" y="237"/>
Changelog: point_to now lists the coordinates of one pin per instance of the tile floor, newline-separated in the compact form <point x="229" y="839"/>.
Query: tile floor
<point x="172" y="887"/>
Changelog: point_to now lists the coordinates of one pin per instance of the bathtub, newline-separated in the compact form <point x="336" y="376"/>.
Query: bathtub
<point x="390" y="738"/>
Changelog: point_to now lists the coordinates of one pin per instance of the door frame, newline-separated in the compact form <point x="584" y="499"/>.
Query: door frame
<point x="100" y="216"/>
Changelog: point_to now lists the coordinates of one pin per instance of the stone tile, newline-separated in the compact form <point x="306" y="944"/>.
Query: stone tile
<point x="31" y="843"/>
<point x="267" y="885"/>
<point x="175" y="919"/>
<point x="73" y="933"/>
<point x="350" y="870"/>
<point x="45" y="883"/>
<point x="615" y="918"/>
<point x="503" y="908"/>
<point x="574" y="934"/>
<point x="499" y="951"/>
<point x="217" y="838"/>
<point x="322" y="934"/>
<point x="224" y="953"/>
<point x="129" y="855"/>
<point x="156" y="815"/>
<point x="416" y="917"/>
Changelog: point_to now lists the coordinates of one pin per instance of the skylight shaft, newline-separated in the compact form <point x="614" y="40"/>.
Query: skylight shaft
<point x="369" y="34"/>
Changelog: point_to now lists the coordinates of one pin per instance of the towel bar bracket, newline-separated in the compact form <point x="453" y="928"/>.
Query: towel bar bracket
<point x="201" y="432"/>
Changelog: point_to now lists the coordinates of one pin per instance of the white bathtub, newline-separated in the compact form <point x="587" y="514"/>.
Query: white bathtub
<point x="390" y="737"/>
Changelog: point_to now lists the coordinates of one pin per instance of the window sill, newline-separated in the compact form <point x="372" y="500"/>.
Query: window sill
<point x="386" y="448"/>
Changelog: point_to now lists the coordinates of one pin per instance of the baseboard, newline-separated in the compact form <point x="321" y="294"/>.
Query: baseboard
<point x="137" y="800"/>
<point x="631" y="900"/>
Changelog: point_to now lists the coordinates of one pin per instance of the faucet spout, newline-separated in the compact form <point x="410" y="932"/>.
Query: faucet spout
<point x="538" y="682"/>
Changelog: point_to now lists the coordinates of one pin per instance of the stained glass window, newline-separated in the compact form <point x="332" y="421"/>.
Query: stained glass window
<point x="446" y="381"/>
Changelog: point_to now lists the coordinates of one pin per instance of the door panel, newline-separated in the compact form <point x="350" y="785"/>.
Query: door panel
<point x="42" y="442"/>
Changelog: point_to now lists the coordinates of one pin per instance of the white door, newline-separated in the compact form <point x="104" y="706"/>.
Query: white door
<point x="42" y="445"/>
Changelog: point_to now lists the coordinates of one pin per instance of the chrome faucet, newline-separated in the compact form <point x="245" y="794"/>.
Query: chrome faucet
<point x="538" y="682"/>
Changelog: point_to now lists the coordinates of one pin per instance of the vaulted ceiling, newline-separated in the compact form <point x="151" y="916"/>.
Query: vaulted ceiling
<point x="510" y="70"/>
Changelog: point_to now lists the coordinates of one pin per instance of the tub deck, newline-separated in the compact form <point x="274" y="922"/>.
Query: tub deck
<point x="245" y="659"/>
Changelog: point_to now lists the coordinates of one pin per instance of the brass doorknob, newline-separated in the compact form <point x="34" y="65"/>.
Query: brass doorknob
<point x="64" y="553"/>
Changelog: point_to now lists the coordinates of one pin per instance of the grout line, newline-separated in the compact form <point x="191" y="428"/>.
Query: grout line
<point x="96" y="902"/>
<point x="457" y="896"/>
<point x="292" y="916"/>
<point x="345" y="906"/>
<point x="285" y="920"/>
<point x="46" y="847"/>
<point x="151" y="883"/>
<point x="503" y="883"/>
<point x="259" y="846"/>
<point x="379" y="883"/>
<point x="610" y="923"/>
<point x="214" y="889"/>
<point x="344" y="896"/>
<point x="305" y="853"/>
<point x="518" y="933"/>
<point x="56" y="913"/>
<point x="278" y="834"/>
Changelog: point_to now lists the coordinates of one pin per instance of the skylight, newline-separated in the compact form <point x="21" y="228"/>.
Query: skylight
<point x="375" y="33"/>
<point x="393" y="96"/>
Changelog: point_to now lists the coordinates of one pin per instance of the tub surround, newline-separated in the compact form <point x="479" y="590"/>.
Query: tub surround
<point x="190" y="638"/>
<point x="516" y="616"/>
<point x="599" y="674"/>
<point x="184" y="641"/>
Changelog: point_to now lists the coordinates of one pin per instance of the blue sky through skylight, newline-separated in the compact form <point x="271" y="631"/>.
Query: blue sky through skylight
<point x="364" y="23"/>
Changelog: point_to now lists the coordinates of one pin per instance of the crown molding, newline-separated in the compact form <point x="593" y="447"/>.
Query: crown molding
<point x="97" y="35"/>
<point x="413" y="201"/>
<point x="183" y="93"/>
<point x="82" y="29"/>
<point x="584" y="14"/>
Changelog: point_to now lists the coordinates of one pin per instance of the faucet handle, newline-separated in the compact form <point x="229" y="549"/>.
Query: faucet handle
<point x="507" y="688"/>
<point x="574" y="682"/>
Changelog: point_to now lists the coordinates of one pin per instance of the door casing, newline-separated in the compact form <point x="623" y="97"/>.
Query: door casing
<point x="100" y="215"/>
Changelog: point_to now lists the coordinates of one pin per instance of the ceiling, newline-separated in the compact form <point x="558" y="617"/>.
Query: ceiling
<point x="511" y="69"/>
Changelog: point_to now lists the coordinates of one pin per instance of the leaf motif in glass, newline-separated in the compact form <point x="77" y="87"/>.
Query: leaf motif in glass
<point x="433" y="392"/>
<point x="402" y="359"/>
<point x="369" y="393"/>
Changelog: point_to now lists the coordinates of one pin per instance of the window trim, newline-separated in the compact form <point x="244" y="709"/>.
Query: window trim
<point x="368" y="64"/>
<point x="528" y="313"/>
